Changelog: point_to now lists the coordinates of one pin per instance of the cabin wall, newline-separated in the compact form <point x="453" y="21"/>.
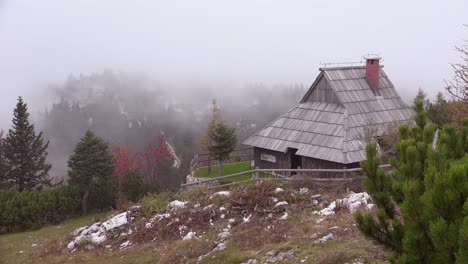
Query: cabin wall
<point x="322" y="92"/>
<point x="282" y="160"/>
<point x="311" y="163"/>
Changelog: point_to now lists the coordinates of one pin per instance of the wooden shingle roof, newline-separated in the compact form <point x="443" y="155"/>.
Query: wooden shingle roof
<point x="333" y="125"/>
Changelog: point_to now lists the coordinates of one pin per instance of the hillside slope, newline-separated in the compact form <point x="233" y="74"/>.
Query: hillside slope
<point x="257" y="223"/>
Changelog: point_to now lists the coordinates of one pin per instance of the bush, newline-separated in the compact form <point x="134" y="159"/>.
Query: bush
<point x="153" y="203"/>
<point x="134" y="188"/>
<point x="29" y="210"/>
<point x="422" y="205"/>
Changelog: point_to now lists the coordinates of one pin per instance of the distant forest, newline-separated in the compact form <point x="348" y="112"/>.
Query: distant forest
<point x="133" y="111"/>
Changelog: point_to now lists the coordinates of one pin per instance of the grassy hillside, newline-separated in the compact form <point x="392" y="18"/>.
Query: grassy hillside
<point x="289" y="233"/>
<point x="227" y="169"/>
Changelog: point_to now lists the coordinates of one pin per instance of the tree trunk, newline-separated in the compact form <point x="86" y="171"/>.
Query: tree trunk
<point x="219" y="168"/>
<point x="84" y="203"/>
<point x="209" y="165"/>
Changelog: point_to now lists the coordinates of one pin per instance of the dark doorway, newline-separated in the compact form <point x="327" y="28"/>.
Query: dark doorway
<point x="296" y="161"/>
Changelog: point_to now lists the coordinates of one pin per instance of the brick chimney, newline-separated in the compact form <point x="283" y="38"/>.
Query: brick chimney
<point x="372" y="71"/>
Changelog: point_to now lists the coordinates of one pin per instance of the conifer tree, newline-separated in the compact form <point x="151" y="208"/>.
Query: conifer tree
<point x="2" y="163"/>
<point x="439" y="111"/>
<point x="25" y="153"/>
<point x="421" y="96"/>
<point x="90" y="168"/>
<point x="214" y="119"/>
<point x="430" y="188"/>
<point x="223" y="142"/>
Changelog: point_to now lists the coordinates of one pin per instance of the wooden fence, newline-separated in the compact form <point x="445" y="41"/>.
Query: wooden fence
<point x="205" y="159"/>
<point x="301" y="175"/>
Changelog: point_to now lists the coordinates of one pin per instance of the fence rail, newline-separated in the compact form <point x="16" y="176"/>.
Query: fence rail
<point x="301" y="175"/>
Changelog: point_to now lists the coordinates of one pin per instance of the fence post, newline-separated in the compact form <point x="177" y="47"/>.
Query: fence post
<point x="299" y="173"/>
<point x="256" y="173"/>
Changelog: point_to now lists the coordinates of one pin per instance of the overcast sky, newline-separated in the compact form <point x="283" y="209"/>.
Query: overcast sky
<point x="247" y="41"/>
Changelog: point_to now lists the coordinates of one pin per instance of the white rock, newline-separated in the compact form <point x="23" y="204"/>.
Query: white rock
<point x="225" y="234"/>
<point x="221" y="193"/>
<point x="279" y="190"/>
<point x="247" y="218"/>
<point x="285" y="216"/>
<point x="156" y="218"/>
<point x="220" y="246"/>
<point x="327" y="210"/>
<point x="34" y="245"/>
<point x="282" y="203"/>
<point x="98" y="237"/>
<point x="176" y="204"/>
<point x="274" y="199"/>
<point x="232" y="221"/>
<point x="208" y="207"/>
<point x="79" y="230"/>
<point x="352" y="202"/>
<point x="250" y="261"/>
<point x="125" y="244"/>
<point x="116" y="221"/>
<point x="189" y="236"/>
<point x="303" y="190"/>
<point x="326" y="238"/>
<point x="71" y="245"/>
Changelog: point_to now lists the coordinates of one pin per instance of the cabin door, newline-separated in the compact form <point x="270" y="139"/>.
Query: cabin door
<point x="296" y="161"/>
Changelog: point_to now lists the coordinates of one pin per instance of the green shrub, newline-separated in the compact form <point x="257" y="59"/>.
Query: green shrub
<point x="29" y="210"/>
<point x="134" y="188"/>
<point x="153" y="203"/>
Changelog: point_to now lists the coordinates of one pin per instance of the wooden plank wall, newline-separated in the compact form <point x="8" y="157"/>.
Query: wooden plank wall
<point x="283" y="160"/>
<point x="323" y="93"/>
<point x="311" y="163"/>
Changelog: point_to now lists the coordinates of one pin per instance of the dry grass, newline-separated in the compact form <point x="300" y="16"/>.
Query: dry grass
<point x="184" y="251"/>
<point x="251" y="240"/>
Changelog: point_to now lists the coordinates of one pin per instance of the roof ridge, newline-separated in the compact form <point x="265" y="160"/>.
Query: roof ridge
<point x="344" y="68"/>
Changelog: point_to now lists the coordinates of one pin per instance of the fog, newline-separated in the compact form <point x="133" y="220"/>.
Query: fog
<point x="216" y="42"/>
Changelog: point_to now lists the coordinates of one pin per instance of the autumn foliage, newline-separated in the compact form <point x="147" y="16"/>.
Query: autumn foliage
<point x="150" y="164"/>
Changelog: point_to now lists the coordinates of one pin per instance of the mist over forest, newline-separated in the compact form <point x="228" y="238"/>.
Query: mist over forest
<point x="133" y="110"/>
<point x="168" y="61"/>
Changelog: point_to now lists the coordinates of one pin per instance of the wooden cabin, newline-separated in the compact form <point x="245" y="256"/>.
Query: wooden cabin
<point x="330" y="127"/>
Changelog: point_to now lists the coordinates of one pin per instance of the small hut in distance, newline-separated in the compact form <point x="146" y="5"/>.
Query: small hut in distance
<point x="328" y="128"/>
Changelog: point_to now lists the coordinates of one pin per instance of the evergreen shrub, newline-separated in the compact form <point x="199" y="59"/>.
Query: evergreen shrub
<point x="32" y="209"/>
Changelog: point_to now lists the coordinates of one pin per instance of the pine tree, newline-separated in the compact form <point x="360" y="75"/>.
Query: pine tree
<point x="214" y="119"/>
<point x="25" y="153"/>
<point x="430" y="188"/>
<point x="438" y="111"/>
<point x="223" y="142"/>
<point x="2" y="163"/>
<point x="90" y="168"/>
<point x="421" y="96"/>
